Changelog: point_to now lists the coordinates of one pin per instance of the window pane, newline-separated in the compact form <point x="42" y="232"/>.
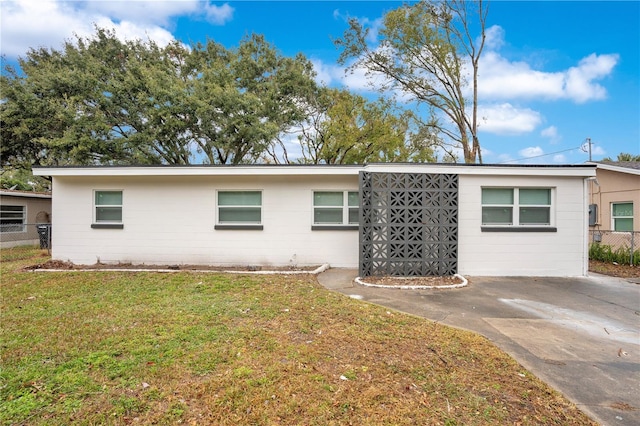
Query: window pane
<point x="11" y="209"/>
<point x="353" y="199"/>
<point x="327" y="199"/>
<point x="10" y="221"/>
<point x="497" y="216"/>
<point x="622" y="210"/>
<point x="108" y="214"/>
<point x="240" y="198"/>
<point x="239" y="214"/>
<point x="529" y="196"/>
<point x="623" y="224"/>
<point x="353" y="215"/>
<point x="327" y="216"/>
<point x="497" y="196"/>
<point x="11" y="215"/>
<point x="108" y="198"/>
<point x="535" y="216"/>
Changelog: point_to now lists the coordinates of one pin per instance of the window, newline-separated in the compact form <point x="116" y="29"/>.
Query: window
<point x="108" y="209"/>
<point x="12" y="218"/>
<point x="239" y="210"/>
<point x="516" y="209"/>
<point x="333" y="209"/>
<point x="622" y="216"/>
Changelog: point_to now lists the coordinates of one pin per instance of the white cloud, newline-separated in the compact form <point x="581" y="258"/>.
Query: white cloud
<point x="48" y="23"/>
<point x="500" y="78"/>
<point x="126" y="30"/>
<point x="532" y="151"/>
<point x="219" y="15"/>
<point x="579" y="85"/>
<point x="494" y="37"/>
<point x="505" y="119"/>
<point x="559" y="158"/>
<point x="140" y="11"/>
<point x="551" y="133"/>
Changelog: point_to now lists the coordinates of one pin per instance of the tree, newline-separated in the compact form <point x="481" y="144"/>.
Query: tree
<point x="425" y="51"/>
<point x="351" y="130"/>
<point x="624" y="156"/>
<point x="23" y="180"/>
<point x="99" y="100"/>
<point x="96" y="101"/>
<point x="244" y="99"/>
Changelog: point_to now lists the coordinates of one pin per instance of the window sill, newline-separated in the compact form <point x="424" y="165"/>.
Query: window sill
<point x="335" y="227"/>
<point x="519" y="229"/>
<point x="107" y="226"/>
<point x="239" y="227"/>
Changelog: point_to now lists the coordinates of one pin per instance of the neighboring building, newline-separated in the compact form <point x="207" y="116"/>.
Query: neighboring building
<point x="385" y="219"/>
<point x="616" y="195"/>
<point x="20" y="213"/>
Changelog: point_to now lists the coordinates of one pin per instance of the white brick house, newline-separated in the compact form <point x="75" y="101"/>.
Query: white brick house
<point x="381" y="218"/>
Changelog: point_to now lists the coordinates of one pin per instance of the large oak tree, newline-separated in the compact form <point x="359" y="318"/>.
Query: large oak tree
<point x="99" y="100"/>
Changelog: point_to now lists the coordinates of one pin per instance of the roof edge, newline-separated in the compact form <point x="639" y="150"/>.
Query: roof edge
<point x="584" y="170"/>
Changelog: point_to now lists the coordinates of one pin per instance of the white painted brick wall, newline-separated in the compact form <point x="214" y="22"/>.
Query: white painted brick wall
<point x="171" y="220"/>
<point x="560" y="253"/>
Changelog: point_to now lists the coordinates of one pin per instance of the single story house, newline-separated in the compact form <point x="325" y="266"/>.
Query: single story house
<point x="384" y="219"/>
<point x="615" y="193"/>
<point x="20" y="214"/>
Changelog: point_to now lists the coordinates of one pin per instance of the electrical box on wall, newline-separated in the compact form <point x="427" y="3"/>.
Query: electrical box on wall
<point x="593" y="214"/>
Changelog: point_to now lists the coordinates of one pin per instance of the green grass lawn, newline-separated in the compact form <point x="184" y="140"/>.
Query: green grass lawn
<point x="196" y="348"/>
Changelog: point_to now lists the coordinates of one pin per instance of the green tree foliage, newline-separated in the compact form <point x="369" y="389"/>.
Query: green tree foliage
<point x="345" y="128"/>
<point x="103" y="101"/>
<point x="244" y="99"/>
<point x="22" y="180"/>
<point x="427" y="51"/>
<point x="624" y="156"/>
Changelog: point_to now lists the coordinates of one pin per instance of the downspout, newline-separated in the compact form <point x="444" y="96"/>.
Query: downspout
<point x="585" y="225"/>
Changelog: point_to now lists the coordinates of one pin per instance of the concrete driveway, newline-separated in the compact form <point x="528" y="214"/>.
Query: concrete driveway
<point x="579" y="335"/>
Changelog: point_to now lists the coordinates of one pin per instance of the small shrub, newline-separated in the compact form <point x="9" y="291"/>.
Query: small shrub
<point x="605" y="253"/>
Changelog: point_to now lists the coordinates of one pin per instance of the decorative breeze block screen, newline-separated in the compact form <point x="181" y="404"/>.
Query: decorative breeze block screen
<point x="408" y="224"/>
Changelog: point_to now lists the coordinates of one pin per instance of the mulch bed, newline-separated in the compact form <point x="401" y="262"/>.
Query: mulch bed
<point x="412" y="281"/>
<point x="58" y="264"/>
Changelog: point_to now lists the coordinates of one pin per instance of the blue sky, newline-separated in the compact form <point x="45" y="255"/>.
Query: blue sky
<point x="552" y="75"/>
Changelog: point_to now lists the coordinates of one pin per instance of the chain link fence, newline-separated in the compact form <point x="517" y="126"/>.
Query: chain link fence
<point x="615" y="246"/>
<point x="25" y="234"/>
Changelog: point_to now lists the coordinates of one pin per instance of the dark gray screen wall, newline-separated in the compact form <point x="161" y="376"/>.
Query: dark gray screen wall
<point x="408" y="224"/>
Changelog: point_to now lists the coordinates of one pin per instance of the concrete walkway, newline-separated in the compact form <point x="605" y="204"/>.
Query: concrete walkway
<point x="579" y="335"/>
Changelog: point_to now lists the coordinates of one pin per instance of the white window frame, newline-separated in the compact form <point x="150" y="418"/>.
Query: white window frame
<point x="613" y="218"/>
<point x="345" y="224"/>
<point x="239" y="224"/>
<point x="13" y="228"/>
<point x="515" y="211"/>
<point x="117" y="224"/>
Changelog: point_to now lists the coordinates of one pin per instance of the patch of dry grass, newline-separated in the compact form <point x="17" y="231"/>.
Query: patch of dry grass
<point x="119" y="348"/>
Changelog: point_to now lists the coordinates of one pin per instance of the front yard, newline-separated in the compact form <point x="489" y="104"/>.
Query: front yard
<point x="197" y="348"/>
